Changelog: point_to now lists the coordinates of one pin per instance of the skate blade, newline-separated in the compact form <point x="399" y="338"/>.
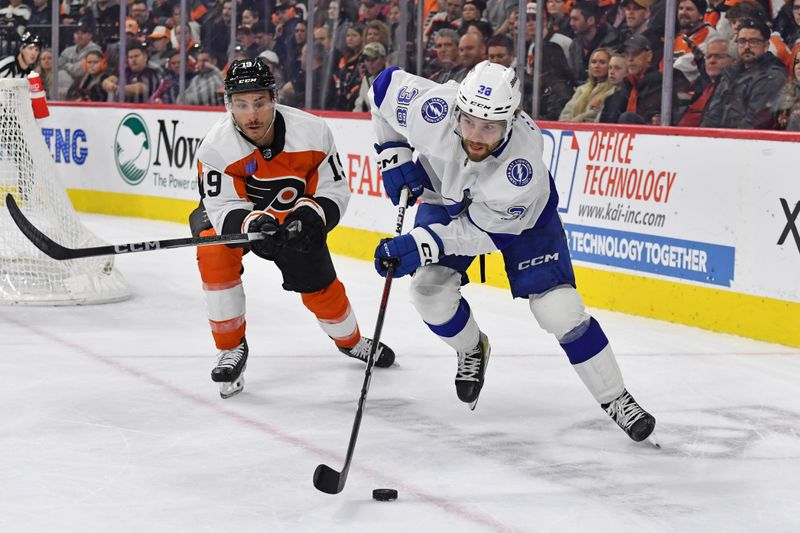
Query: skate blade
<point x="229" y="389"/>
<point x="651" y="439"/>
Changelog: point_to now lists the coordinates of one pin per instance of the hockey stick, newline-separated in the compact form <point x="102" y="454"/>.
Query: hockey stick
<point x="326" y="479"/>
<point x="57" y="251"/>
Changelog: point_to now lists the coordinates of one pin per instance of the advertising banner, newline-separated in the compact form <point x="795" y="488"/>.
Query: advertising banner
<point x="715" y="212"/>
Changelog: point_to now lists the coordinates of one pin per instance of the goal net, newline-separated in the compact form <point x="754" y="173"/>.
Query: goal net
<point x="27" y="171"/>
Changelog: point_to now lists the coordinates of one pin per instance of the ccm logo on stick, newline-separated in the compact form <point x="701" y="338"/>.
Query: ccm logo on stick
<point x="137" y="247"/>
<point x="546" y="258"/>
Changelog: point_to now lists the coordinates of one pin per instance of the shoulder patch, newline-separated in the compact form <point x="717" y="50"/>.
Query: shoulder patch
<point x="519" y="172"/>
<point x="434" y="110"/>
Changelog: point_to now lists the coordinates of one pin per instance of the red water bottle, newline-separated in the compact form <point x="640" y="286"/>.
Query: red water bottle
<point x="38" y="99"/>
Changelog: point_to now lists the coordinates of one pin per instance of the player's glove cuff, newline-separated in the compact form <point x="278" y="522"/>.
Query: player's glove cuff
<point x="393" y="154"/>
<point x="429" y="245"/>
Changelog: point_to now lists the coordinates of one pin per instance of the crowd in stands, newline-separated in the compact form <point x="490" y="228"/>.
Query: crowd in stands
<point x="736" y="62"/>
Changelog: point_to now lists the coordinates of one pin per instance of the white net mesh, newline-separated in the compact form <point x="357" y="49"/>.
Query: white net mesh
<point x="27" y="171"/>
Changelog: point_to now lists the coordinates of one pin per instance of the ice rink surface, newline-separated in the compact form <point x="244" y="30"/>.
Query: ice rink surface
<point x="110" y="421"/>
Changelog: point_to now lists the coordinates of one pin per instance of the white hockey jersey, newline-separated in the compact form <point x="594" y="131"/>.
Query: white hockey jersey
<point x="236" y="177"/>
<point x="491" y="201"/>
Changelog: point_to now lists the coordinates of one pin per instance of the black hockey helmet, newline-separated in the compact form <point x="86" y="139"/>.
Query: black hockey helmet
<point x="249" y="75"/>
<point x="29" y="39"/>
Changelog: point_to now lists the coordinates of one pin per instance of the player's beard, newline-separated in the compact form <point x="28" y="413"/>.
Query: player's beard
<point x="484" y="150"/>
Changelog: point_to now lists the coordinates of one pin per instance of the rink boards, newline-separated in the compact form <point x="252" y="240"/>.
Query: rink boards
<point x="699" y="229"/>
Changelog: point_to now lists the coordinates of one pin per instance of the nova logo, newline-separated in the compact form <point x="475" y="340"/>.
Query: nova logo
<point x="536" y="261"/>
<point x="132" y="149"/>
<point x="791" y="223"/>
<point x="179" y="150"/>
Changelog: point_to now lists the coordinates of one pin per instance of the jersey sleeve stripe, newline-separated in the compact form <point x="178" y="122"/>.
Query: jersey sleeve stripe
<point x="381" y="85"/>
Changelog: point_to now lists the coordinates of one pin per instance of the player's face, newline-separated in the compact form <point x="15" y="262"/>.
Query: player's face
<point x="254" y="113"/>
<point x="480" y="137"/>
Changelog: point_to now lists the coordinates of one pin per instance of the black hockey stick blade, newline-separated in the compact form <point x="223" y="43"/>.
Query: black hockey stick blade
<point x="59" y="252"/>
<point x="328" y="480"/>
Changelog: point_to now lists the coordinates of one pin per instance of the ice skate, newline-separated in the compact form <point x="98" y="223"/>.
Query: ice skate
<point x="629" y="415"/>
<point x="384" y="356"/>
<point x="229" y="371"/>
<point x="471" y="369"/>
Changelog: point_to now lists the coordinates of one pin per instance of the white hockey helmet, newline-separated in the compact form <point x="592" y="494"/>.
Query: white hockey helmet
<point x="490" y="91"/>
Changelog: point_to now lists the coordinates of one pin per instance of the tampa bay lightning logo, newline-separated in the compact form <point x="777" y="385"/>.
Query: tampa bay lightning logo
<point x="519" y="172"/>
<point x="434" y="110"/>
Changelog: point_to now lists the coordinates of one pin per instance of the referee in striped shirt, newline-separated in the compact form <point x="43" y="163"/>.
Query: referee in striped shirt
<point x="20" y="65"/>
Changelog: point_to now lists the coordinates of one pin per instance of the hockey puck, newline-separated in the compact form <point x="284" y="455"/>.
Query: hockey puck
<point x="384" y="495"/>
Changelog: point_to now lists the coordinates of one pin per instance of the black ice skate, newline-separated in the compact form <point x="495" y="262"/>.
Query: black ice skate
<point x="229" y="372"/>
<point x="471" y="369"/>
<point x="635" y="421"/>
<point x="384" y="356"/>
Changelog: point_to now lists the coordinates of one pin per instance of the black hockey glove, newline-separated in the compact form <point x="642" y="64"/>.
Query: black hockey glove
<point x="270" y="246"/>
<point x="304" y="230"/>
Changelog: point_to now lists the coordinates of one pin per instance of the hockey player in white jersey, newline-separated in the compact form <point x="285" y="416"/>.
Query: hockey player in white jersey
<point x="480" y="174"/>
<point x="268" y="168"/>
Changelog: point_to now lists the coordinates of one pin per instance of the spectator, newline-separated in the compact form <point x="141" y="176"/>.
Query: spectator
<point x="90" y="87"/>
<point x="641" y="92"/>
<point x="560" y="39"/>
<point x="473" y="10"/>
<point x="507" y="27"/>
<point x="483" y="29"/>
<point x="45" y="70"/>
<point x="375" y="62"/>
<point x="500" y="49"/>
<point x="41" y="16"/>
<point x="370" y="10"/>
<point x="141" y="80"/>
<point x="789" y="108"/>
<point x="693" y="30"/>
<point x="378" y="32"/>
<point x="590" y="33"/>
<point x="716" y="58"/>
<point x="15" y="15"/>
<point x="168" y="88"/>
<point x="250" y="18"/>
<point x="787" y="23"/>
<point x="337" y="24"/>
<point x="161" y="47"/>
<point x="175" y="38"/>
<point x="195" y="30"/>
<point x="161" y="11"/>
<point x="747" y="10"/>
<point x="558" y="17"/>
<point x="139" y="12"/>
<point x="284" y="33"/>
<point x="215" y="32"/>
<point x="446" y="47"/>
<point x="587" y="102"/>
<point x="205" y="88"/>
<point x="70" y="62"/>
<point x="265" y="36"/>
<point x="618" y="99"/>
<point x="347" y="77"/>
<point x="637" y="22"/>
<point x="471" y="51"/>
<point x="450" y="18"/>
<point x="558" y="85"/>
<point x="748" y="91"/>
<point x="106" y="17"/>
<point x="497" y="11"/>
<point x="248" y="39"/>
<point x="294" y="91"/>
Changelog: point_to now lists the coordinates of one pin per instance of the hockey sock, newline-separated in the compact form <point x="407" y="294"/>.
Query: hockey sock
<point x="220" y="269"/>
<point x="334" y="314"/>
<point x="460" y="331"/>
<point x="592" y="358"/>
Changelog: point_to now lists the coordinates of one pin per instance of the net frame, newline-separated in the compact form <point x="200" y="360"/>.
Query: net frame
<point x="28" y="172"/>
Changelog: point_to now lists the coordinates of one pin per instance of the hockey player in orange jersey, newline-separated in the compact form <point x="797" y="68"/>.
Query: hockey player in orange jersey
<point x="272" y="169"/>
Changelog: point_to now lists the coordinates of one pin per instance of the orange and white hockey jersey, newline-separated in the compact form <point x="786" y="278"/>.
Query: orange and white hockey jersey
<point x="236" y="177"/>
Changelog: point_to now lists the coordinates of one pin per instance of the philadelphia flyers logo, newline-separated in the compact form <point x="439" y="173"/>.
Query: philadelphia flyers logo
<point x="276" y="194"/>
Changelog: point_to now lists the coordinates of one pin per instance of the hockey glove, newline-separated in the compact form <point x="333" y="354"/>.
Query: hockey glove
<point x="304" y="228"/>
<point x="398" y="170"/>
<point x="270" y="246"/>
<point x="421" y="246"/>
